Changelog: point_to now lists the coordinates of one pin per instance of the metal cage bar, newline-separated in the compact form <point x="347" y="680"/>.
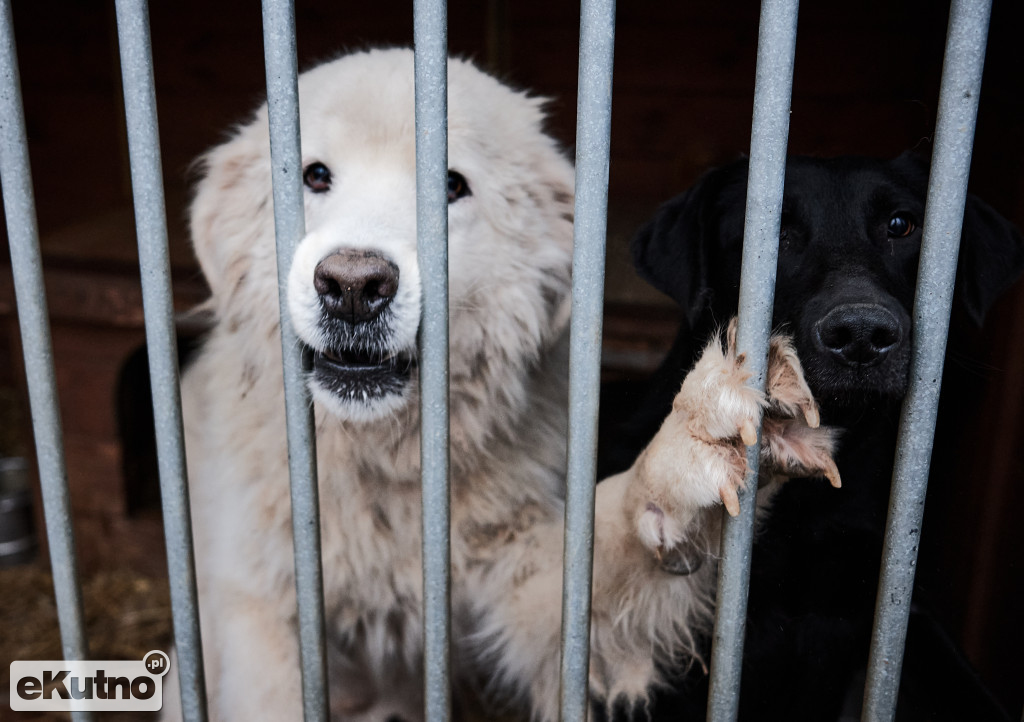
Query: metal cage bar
<point x="158" y="307"/>
<point x="943" y="222"/>
<point x="290" y="227"/>
<point x="597" y="34"/>
<point x="430" y="31"/>
<point x="593" y="141"/>
<point x="30" y="293"/>
<point x="776" y="51"/>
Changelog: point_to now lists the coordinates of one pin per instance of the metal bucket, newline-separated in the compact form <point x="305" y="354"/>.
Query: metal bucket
<point x="17" y="537"/>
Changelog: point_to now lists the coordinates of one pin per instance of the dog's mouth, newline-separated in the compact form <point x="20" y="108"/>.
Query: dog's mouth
<point x="838" y="383"/>
<point x="342" y="361"/>
<point x="360" y="374"/>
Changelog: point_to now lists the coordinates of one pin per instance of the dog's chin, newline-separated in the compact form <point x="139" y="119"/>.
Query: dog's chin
<point x="840" y="387"/>
<point x="360" y="386"/>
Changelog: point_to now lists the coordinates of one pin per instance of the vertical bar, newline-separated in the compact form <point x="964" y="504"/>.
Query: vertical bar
<point x="776" y="51"/>
<point x="430" y="32"/>
<point x="497" y="44"/>
<point x="158" y="306"/>
<point x="290" y="227"/>
<point x="27" y="269"/>
<point x="943" y="221"/>
<point x="593" y="141"/>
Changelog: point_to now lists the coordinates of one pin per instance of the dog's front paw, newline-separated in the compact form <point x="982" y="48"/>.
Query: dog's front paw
<point x="793" y="442"/>
<point x="698" y="458"/>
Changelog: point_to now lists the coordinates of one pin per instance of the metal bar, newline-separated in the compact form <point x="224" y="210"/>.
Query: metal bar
<point x="158" y="305"/>
<point x="776" y="51"/>
<point x="943" y="221"/>
<point x="27" y="270"/>
<point x="290" y="227"/>
<point x="593" y="141"/>
<point x="430" y="32"/>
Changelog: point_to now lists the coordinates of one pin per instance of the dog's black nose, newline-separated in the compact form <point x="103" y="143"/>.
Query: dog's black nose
<point x="355" y="286"/>
<point x="859" y="334"/>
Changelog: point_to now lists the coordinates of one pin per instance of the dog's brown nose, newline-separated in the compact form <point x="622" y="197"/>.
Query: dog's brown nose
<point x="355" y="286"/>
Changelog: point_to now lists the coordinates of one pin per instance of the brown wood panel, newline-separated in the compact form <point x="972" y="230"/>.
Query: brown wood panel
<point x="100" y="297"/>
<point x="88" y="363"/>
<point x="94" y="473"/>
<point x="107" y="541"/>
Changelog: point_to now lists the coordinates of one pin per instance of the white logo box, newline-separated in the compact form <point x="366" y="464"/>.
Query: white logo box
<point x="89" y="685"/>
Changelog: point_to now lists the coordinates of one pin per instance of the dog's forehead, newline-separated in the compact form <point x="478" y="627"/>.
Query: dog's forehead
<point x="367" y="100"/>
<point x="361" y="108"/>
<point x="846" y="189"/>
<point x="342" y="109"/>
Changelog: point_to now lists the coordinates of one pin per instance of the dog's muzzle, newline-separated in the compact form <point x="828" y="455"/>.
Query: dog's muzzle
<point x="355" y="289"/>
<point x="858" y="334"/>
<point x="857" y="348"/>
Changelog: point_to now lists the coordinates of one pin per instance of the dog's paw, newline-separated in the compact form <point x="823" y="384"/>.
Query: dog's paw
<point x="718" y="404"/>
<point x="787" y="389"/>
<point x="698" y="458"/>
<point x="793" y="442"/>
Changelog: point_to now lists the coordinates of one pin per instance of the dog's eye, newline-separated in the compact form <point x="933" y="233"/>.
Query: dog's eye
<point x="457" y="186"/>
<point x="317" y="177"/>
<point x="900" y="226"/>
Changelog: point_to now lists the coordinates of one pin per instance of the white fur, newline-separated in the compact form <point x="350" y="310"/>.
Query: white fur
<point x="510" y="255"/>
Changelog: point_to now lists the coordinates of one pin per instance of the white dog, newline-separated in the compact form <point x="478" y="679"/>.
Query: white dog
<point x="354" y="298"/>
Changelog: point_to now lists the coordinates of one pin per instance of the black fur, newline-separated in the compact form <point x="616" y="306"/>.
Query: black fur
<point x="815" y="566"/>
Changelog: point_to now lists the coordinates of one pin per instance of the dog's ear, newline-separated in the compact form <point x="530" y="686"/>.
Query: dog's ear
<point x="913" y="165"/>
<point x="675" y="249"/>
<point x="991" y="257"/>
<point x="232" y="212"/>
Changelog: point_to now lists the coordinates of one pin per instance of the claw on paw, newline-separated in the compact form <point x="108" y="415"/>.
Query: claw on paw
<point x="812" y="416"/>
<point x="731" y="500"/>
<point x="831" y="472"/>
<point x="748" y="432"/>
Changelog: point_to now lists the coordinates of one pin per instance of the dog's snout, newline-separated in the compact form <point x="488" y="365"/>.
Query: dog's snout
<point x="859" y="334"/>
<point x="355" y="286"/>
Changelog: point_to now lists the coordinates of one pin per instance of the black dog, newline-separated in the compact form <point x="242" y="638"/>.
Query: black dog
<point x="849" y="247"/>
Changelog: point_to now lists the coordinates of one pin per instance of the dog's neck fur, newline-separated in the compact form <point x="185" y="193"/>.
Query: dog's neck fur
<point x="532" y="432"/>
